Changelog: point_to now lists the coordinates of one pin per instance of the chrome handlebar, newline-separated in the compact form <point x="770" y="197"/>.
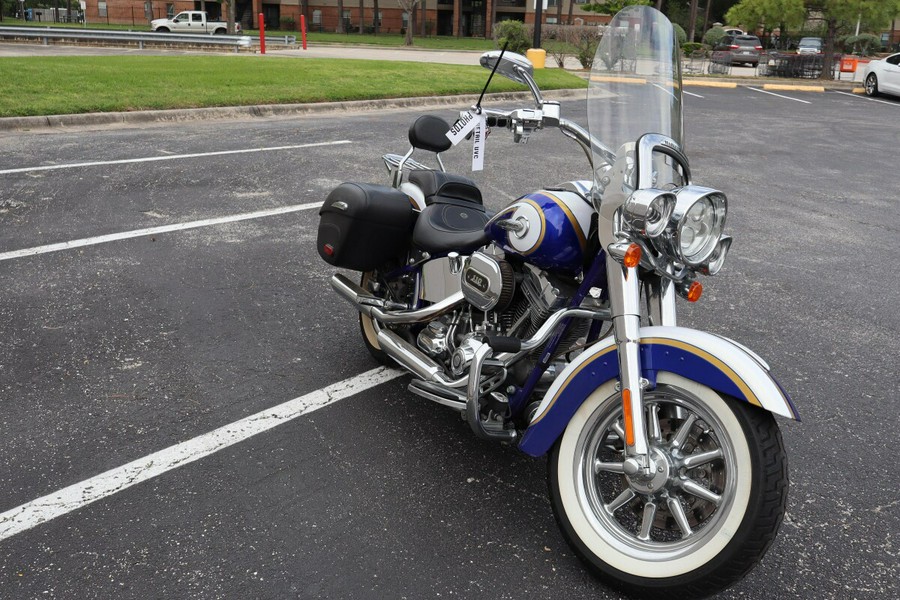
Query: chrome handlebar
<point x="523" y="122"/>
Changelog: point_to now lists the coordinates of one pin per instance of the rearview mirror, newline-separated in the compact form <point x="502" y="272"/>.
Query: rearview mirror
<point x="516" y="67"/>
<point x="511" y="66"/>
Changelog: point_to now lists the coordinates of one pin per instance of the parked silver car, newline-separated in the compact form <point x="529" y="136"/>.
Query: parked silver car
<point x="736" y="49"/>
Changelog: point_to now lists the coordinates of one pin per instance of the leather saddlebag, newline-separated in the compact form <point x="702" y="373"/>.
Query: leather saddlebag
<point x="362" y="226"/>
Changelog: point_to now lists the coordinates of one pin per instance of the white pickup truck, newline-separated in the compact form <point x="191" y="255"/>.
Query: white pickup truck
<point x="192" y="21"/>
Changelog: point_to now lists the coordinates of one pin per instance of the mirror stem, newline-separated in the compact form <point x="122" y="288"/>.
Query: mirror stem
<point x="491" y="76"/>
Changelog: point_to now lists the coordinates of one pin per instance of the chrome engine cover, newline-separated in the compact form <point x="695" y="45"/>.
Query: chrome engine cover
<point x="487" y="283"/>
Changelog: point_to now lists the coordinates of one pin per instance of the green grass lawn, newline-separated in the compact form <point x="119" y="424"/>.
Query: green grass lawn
<point x="78" y="84"/>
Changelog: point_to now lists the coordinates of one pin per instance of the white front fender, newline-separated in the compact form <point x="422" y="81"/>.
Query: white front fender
<point x="714" y="361"/>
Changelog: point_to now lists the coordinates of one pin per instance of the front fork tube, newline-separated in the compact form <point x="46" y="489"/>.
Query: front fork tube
<point x="625" y="302"/>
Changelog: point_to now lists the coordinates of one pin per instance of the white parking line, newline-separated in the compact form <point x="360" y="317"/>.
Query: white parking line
<point x="73" y="497"/>
<point x="779" y="95"/>
<point x="867" y="98"/>
<point x="112" y="237"/>
<point x="169" y="157"/>
<point x="691" y="94"/>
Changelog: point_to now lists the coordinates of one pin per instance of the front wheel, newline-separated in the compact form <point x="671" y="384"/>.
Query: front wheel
<point x="702" y="521"/>
<point x="871" y="85"/>
<point x="162" y="30"/>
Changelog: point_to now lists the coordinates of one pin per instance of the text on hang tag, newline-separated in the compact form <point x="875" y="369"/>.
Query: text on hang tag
<point x="478" y="137"/>
<point x="466" y="123"/>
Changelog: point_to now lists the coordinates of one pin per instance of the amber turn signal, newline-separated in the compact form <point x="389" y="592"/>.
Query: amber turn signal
<point x="694" y="292"/>
<point x="632" y="256"/>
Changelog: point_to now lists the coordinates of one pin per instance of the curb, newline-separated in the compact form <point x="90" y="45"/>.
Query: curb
<point x="8" y="124"/>
<point x="262" y="111"/>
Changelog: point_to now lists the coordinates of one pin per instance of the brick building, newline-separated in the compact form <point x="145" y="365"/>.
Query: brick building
<point x="462" y="18"/>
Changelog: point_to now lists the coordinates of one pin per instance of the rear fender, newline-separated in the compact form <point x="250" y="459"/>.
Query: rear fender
<point x="713" y="361"/>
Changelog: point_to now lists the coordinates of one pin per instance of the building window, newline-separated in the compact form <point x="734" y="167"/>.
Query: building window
<point x="551" y="20"/>
<point x="170" y="11"/>
<point x="317" y="17"/>
<point x="405" y="22"/>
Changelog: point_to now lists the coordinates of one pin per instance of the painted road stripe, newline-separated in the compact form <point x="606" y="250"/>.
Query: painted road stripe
<point x="24" y="517"/>
<point x="170" y="157"/>
<point x="113" y="237"/>
<point x="867" y="98"/>
<point x="779" y="95"/>
<point x="690" y="94"/>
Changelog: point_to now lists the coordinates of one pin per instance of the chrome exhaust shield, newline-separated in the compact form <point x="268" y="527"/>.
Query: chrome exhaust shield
<point x="374" y="307"/>
<point x="410" y="358"/>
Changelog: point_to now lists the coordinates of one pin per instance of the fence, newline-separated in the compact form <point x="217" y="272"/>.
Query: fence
<point x="127" y="37"/>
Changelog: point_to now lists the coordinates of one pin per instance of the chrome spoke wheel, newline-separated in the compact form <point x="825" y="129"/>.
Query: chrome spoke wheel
<point x="693" y="483"/>
<point x="699" y="519"/>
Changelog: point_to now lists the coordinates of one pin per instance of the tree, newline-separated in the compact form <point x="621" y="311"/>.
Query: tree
<point x="377" y="20"/>
<point x="230" y="16"/>
<point x="750" y="14"/>
<point x="838" y="16"/>
<point x="340" y="28"/>
<point x="692" y="22"/>
<point x="409" y="6"/>
<point x="611" y="7"/>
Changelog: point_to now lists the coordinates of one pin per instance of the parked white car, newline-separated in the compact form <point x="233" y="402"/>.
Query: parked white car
<point x="883" y="76"/>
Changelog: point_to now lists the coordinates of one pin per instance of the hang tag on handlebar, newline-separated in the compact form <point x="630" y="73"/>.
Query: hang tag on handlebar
<point x="479" y="135"/>
<point x="464" y="126"/>
<point x="471" y="123"/>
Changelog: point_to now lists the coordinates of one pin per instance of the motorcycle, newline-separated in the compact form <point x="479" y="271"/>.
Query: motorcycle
<point x="552" y="325"/>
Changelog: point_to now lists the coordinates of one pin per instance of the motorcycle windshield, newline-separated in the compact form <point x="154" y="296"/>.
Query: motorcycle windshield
<point x="635" y="85"/>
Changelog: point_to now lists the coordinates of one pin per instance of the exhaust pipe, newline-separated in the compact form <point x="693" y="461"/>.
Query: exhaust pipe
<point x="420" y="365"/>
<point x="374" y="307"/>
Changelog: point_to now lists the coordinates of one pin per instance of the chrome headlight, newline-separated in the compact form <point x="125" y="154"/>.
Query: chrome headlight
<point x="698" y="220"/>
<point x="648" y="211"/>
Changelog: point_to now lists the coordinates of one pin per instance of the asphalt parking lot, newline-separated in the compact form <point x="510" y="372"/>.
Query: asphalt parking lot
<point x="186" y="409"/>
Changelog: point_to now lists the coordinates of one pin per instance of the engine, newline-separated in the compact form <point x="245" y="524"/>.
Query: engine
<point x="503" y="298"/>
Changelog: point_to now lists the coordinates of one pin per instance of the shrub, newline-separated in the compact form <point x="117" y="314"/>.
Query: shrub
<point x="863" y="44"/>
<point x="515" y="34"/>
<point x="689" y="48"/>
<point x="714" y="36"/>
<point x="288" y="24"/>
<point x="553" y="40"/>
<point x="680" y="35"/>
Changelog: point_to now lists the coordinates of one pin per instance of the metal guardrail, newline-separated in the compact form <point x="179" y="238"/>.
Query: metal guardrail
<point x="237" y="42"/>
<point x="287" y="40"/>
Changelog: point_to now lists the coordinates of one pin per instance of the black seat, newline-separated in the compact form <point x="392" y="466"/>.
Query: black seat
<point x="445" y="227"/>
<point x="439" y="186"/>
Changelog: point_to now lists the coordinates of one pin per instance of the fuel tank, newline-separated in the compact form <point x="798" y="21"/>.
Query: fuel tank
<point x="547" y="228"/>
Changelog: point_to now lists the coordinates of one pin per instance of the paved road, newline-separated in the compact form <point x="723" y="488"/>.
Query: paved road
<point x="128" y="346"/>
